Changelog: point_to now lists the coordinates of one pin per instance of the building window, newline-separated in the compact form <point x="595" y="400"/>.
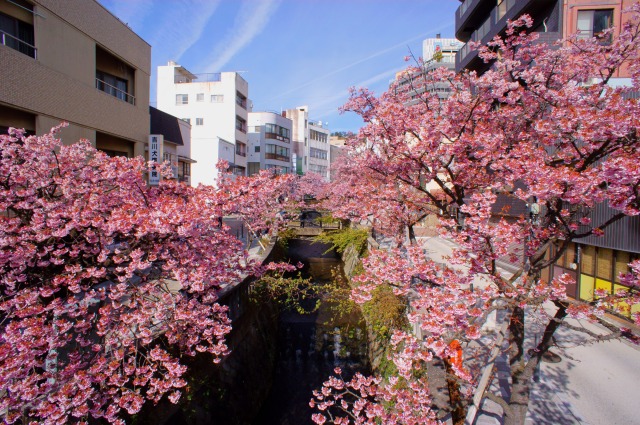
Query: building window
<point x="113" y="153"/>
<point x="241" y="100"/>
<point x="199" y="121"/>
<point x="217" y="98"/>
<point x="241" y="148"/>
<point x="502" y="9"/>
<point x="110" y="84"/>
<point x="593" y="22"/>
<point x="318" y="153"/>
<point x="200" y="97"/>
<point x="17" y="35"/>
<point x="274" y="131"/>
<point x="316" y="135"/>
<point x="186" y="169"/>
<point x="182" y="99"/>
<point x="276" y="152"/>
<point x="277" y="168"/>
<point x="257" y="149"/>
<point x="187" y="120"/>
<point x="241" y="124"/>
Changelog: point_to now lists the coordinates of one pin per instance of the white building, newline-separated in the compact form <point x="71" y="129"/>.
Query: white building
<point x="441" y="50"/>
<point x="436" y="53"/>
<point x="216" y="106"/>
<point x="311" y="143"/>
<point x="270" y="144"/>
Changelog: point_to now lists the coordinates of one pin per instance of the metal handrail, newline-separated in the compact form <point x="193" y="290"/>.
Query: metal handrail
<point x="3" y="38"/>
<point x="126" y="96"/>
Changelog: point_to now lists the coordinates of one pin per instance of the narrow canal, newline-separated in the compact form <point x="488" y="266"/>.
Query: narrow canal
<point x="310" y="346"/>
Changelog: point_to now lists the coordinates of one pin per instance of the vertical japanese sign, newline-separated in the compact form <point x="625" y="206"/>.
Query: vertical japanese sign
<point x="155" y="153"/>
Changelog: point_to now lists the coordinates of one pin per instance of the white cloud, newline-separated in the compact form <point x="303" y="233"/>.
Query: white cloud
<point x="330" y="105"/>
<point x="365" y="59"/>
<point x="180" y="28"/>
<point x="252" y="18"/>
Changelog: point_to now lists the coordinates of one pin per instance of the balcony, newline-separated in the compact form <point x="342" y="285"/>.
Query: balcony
<point x="241" y="149"/>
<point x="241" y="100"/>
<point x="489" y="22"/>
<point x="114" y="76"/>
<point x="278" y="137"/>
<point x="114" y="91"/>
<point x="15" y="43"/>
<point x="277" y="157"/>
<point x="202" y="78"/>
<point x="469" y="16"/>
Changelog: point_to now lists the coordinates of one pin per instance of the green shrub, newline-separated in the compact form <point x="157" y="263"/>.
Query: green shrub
<point x="341" y="239"/>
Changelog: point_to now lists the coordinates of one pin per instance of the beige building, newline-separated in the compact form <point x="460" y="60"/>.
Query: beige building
<point x="310" y="143"/>
<point x="74" y="61"/>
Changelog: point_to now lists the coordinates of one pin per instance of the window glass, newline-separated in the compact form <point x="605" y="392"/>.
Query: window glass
<point x="593" y="22"/>
<point x="182" y="99"/>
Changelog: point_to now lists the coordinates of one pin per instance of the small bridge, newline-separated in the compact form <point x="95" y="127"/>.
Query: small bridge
<point x="311" y="223"/>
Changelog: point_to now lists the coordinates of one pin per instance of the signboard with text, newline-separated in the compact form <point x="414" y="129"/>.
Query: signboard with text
<point x="155" y="153"/>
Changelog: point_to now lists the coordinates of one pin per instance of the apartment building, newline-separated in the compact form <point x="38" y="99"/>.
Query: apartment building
<point x="270" y="145"/>
<point x="175" y="148"/>
<point x="74" y="61"/>
<point x="217" y="107"/>
<point x="594" y="262"/>
<point x="310" y="143"/>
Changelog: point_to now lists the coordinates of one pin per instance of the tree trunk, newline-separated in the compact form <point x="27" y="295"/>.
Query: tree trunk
<point x="520" y="386"/>
<point x="458" y="411"/>
<point x="521" y="372"/>
<point x="412" y="235"/>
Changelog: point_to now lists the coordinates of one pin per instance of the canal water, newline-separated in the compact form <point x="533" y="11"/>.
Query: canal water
<point x="311" y="346"/>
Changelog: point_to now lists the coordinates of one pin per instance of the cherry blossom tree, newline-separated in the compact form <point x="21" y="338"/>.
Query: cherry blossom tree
<point x="105" y="282"/>
<point x="264" y="201"/>
<point x="543" y="120"/>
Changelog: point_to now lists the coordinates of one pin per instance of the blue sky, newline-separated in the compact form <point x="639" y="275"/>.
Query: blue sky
<point x="292" y="52"/>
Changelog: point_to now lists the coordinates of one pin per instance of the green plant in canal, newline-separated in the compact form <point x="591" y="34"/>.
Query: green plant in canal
<point x="292" y="293"/>
<point x="284" y="236"/>
<point x="385" y="312"/>
<point x="341" y="239"/>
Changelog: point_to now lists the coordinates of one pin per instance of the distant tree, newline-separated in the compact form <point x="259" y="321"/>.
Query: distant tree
<point x="437" y="55"/>
<point x="542" y="117"/>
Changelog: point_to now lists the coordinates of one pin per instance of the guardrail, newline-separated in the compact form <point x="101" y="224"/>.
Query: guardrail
<point x="17" y="44"/>
<point x="115" y="92"/>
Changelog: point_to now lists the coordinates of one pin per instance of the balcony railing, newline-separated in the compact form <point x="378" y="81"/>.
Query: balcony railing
<point x="496" y="14"/>
<point x="277" y="157"/>
<point x="17" y="44"/>
<point x="241" y="102"/>
<point x="276" y="137"/>
<point x="199" y="78"/>
<point x="115" y="92"/>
